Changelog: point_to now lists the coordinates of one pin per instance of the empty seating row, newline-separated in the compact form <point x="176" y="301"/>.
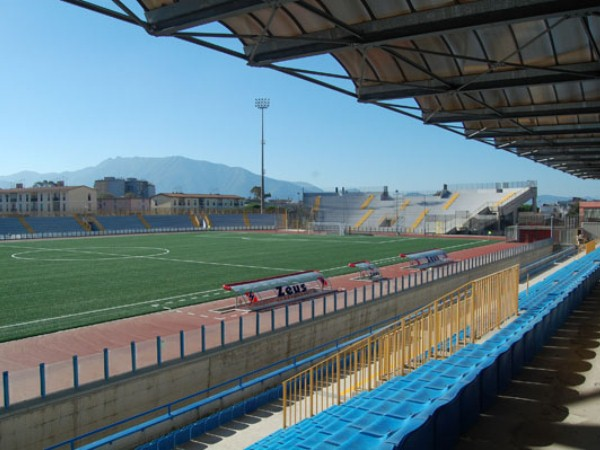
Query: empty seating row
<point x="11" y="226"/>
<point x="117" y="223"/>
<point x="53" y="224"/>
<point x="262" y="220"/>
<point x="227" y="221"/>
<point x="169" y="221"/>
<point x="432" y="405"/>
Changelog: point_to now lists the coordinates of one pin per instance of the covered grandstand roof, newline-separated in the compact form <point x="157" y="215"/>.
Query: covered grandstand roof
<point x="520" y="75"/>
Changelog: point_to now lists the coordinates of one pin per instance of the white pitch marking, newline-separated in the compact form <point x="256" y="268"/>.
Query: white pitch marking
<point x="154" y="303"/>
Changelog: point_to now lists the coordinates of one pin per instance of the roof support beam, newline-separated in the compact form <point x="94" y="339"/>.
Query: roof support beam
<point x="530" y="145"/>
<point x="481" y="82"/>
<point x="417" y="24"/>
<point x="186" y="14"/>
<point x="512" y="112"/>
<point x="542" y="130"/>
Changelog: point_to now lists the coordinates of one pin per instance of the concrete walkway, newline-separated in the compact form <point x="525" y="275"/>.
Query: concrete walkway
<point x="554" y="403"/>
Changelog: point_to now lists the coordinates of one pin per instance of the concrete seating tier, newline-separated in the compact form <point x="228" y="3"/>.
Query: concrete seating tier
<point x="169" y="221"/>
<point x="53" y="224"/>
<point x="11" y="226"/>
<point x="431" y="406"/>
<point x="262" y="220"/>
<point x="117" y="223"/>
<point x="227" y="221"/>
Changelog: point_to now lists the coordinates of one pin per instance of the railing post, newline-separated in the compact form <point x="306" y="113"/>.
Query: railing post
<point x="373" y="291"/>
<point x="300" y="312"/>
<point x="75" y="372"/>
<point x="272" y="320"/>
<point x="312" y="309"/>
<point x="324" y="304"/>
<point x="345" y="299"/>
<point x="203" y="338"/>
<point x="335" y="301"/>
<point x="287" y="316"/>
<point x="158" y="350"/>
<point x="364" y="294"/>
<point x="5" y="389"/>
<point x="355" y="292"/>
<point x="133" y="356"/>
<point x="106" y="367"/>
<point x="241" y="328"/>
<point x="222" y="333"/>
<point x="284" y="402"/>
<point x="257" y="322"/>
<point x="181" y="344"/>
<point x="42" y="380"/>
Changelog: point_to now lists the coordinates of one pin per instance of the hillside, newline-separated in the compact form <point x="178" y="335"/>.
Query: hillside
<point x="170" y="174"/>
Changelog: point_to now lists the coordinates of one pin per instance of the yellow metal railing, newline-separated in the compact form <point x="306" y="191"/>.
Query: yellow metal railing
<point x="367" y="202"/>
<point x="364" y="218"/>
<point x="142" y="219"/>
<point x="590" y="247"/>
<point x="435" y="331"/>
<point x="316" y="205"/>
<point x="419" y="219"/>
<point x="195" y="221"/>
<point x="82" y="223"/>
<point x="405" y="204"/>
<point x="450" y="201"/>
<point x="25" y="224"/>
<point x="505" y="199"/>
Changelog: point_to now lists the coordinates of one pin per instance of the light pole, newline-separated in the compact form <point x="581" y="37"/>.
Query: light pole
<point x="262" y="104"/>
<point x="397" y="214"/>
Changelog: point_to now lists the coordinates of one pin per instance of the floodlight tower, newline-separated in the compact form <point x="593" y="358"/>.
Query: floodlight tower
<point x="262" y="104"/>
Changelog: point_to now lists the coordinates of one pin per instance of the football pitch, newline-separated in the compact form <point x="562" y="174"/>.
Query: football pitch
<point x="57" y="284"/>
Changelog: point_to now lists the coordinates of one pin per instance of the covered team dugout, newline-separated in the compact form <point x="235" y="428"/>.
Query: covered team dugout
<point x="272" y="291"/>
<point x="518" y="75"/>
<point x="367" y="270"/>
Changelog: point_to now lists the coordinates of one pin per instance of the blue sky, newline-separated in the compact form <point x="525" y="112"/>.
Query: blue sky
<point x="77" y="88"/>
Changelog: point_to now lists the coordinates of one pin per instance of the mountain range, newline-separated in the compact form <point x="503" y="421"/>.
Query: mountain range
<point x="169" y="174"/>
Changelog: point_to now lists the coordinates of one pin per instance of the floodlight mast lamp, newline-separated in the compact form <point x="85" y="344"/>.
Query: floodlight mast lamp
<point x="262" y="104"/>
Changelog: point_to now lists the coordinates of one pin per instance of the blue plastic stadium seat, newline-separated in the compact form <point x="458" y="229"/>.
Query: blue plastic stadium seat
<point x="250" y="405"/>
<point x="198" y="428"/>
<point x="183" y="435"/>
<point x="166" y="442"/>
<point x="416" y="434"/>
<point x="212" y="422"/>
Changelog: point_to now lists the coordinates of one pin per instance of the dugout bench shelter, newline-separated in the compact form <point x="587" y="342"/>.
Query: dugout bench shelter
<point x="367" y="270"/>
<point x="271" y="292"/>
<point x="428" y="259"/>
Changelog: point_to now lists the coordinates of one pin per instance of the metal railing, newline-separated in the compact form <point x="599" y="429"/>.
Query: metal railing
<point x="433" y="332"/>
<point x="38" y="382"/>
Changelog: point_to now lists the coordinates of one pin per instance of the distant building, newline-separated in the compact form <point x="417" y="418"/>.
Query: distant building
<point x="589" y="211"/>
<point x="48" y="200"/>
<point x="188" y="203"/>
<point x="120" y="187"/>
<point x="123" y="205"/>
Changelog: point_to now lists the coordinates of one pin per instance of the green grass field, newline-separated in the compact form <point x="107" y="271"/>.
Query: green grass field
<point x="58" y="284"/>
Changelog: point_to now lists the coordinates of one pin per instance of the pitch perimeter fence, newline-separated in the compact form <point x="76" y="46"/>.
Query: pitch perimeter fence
<point x="46" y="379"/>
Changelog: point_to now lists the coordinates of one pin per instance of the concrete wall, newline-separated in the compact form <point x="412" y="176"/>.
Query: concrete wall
<point x="42" y="423"/>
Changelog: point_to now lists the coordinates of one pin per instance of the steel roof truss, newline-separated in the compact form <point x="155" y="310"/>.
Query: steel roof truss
<point x="436" y="21"/>
<point x="479" y="82"/>
<point x="512" y="112"/>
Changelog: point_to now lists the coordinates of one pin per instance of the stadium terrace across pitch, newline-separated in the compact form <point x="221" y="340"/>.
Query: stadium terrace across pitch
<point x="52" y="285"/>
